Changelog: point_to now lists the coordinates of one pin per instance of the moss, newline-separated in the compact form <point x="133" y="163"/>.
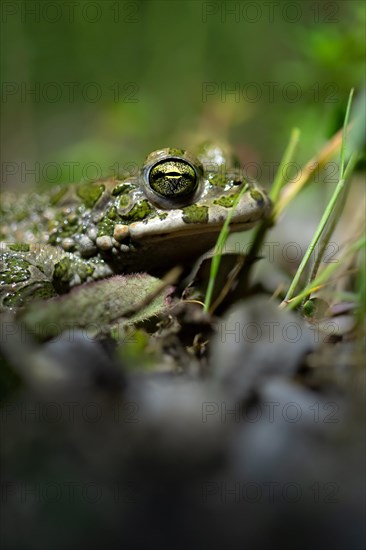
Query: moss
<point x="195" y="214"/>
<point x="140" y="211"/>
<point x="163" y="216"/>
<point x="90" y="193"/>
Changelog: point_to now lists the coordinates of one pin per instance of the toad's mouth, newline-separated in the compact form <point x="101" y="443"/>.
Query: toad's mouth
<point x="194" y="230"/>
<point x="156" y="253"/>
<point x="201" y="220"/>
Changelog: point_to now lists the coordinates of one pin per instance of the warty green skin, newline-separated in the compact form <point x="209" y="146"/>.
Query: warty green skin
<point x="79" y="233"/>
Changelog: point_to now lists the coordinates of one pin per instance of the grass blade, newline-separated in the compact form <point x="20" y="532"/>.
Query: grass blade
<point x="330" y="207"/>
<point x="278" y="181"/>
<point x="322" y="277"/>
<point x="216" y="259"/>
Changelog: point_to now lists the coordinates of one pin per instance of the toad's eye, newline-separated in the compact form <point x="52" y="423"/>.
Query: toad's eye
<point x="173" y="179"/>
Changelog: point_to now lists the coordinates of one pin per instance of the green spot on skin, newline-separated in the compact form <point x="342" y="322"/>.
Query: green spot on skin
<point x="121" y="188"/>
<point x="257" y="196"/>
<point x="219" y="180"/>
<point x="53" y="238"/>
<point x="57" y="195"/>
<point x="176" y="152"/>
<point x="226" y="202"/>
<point x="20" y="216"/>
<point x="139" y="211"/>
<point x="41" y="291"/>
<point x="13" y="270"/>
<point x="105" y="227"/>
<point x="195" y="214"/>
<point x="66" y="228"/>
<point x="90" y="193"/>
<point x="63" y="271"/>
<point x="19" y="247"/>
<point x="163" y="216"/>
<point x="84" y="270"/>
<point x="67" y="268"/>
<point x="124" y="201"/>
<point x="112" y="213"/>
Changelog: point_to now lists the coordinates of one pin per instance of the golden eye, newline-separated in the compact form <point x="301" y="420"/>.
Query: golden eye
<point x="173" y="178"/>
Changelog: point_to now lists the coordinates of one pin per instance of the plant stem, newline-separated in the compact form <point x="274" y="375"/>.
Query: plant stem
<point x="344" y="136"/>
<point x="294" y="186"/>
<point x="333" y="222"/>
<point x="274" y="193"/>
<point x="216" y="259"/>
<point x="278" y="181"/>
<point x="322" y="278"/>
<point x="327" y="213"/>
<point x="343" y="175"/>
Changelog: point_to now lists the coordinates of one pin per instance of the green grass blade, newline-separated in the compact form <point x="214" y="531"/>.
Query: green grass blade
<point x="328" y="232"/>
<point x="278" y="184"/>
<point x="330" y="207"/>
<point x="279" y="181"/>
<point x="216" y="259"/>
<point x="344" y="137"/>
<point x="323" y="276"/>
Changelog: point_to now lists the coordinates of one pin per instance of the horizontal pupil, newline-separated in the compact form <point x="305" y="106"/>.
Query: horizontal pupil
<point x="174" y="175"/>
<point x="160" y="175"/>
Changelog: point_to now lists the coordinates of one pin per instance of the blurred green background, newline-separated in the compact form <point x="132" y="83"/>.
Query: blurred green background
<point x="90" y="87"/>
